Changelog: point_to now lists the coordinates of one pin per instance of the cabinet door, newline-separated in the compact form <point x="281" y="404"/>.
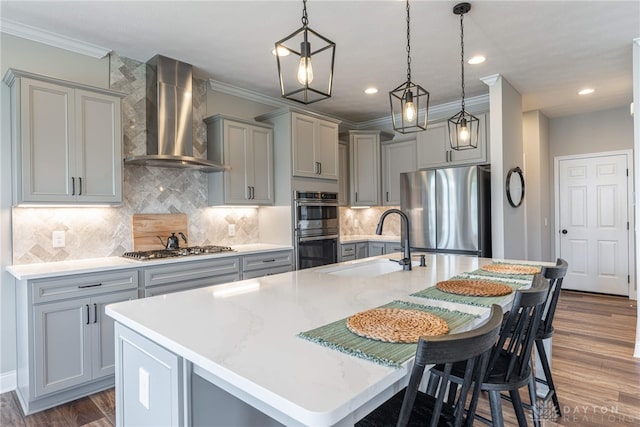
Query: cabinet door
<point x="433" y="146"/>
<point x="304" y="162"/>
<point x="343" y="175"/>
<point x="99" y="147"/>
<point x="236" y="148"/>
<point x="365" y="170"/>
<point x="376" y="248"/>
<point x="362" y="250"/>
<point x="397" y="158"/>
<point x="47" y="143"/>
<point x="326" y="149"/>
<point x="347" y="251"/>
<point x="102" y="335"/>
<point x="260" y="176"/>
<point x="62" y="337"/>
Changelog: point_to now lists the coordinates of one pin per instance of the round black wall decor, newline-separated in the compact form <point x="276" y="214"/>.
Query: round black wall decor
<point x="515" y="187"/>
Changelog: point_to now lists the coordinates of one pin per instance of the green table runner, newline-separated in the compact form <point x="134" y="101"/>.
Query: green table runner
<point x="336" y="335"/>
<point x="481" y="272"/>
<point x="436" y="294"/>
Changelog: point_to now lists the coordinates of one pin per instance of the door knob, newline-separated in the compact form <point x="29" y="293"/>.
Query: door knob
<point x="564" y="231"/>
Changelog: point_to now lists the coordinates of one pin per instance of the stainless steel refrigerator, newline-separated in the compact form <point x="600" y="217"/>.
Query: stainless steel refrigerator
<point x="449" y="209"/>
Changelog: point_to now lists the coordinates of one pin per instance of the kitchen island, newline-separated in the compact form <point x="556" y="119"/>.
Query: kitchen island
<point x="212" y="355"/>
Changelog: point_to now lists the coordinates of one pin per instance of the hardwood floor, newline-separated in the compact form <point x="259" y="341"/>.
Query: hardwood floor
<point x="597" y="378"/>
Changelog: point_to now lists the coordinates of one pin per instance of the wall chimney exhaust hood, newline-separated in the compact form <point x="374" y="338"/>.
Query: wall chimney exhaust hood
<point x="169" y="108"/>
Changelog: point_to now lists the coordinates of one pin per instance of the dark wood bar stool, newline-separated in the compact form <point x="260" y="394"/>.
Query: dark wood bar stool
<point x="545" y="330"/>
<point x="509" y="367"/>
<point x="411" y="407"/>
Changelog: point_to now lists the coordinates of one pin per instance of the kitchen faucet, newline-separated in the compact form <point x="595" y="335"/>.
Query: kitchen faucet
<point x="406" y="261"/>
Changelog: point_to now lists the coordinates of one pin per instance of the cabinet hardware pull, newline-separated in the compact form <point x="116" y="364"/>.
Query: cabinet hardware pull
<point x="319" y="168"/>
<point x="87" y="305"/>
<point x="356" y="196"/>
<point x="268" y="260"/>
<point x="253" y="192"/>
<point x="89" y="286"/>
<point x="80" y="185"/>
<point x="248" y="192"/>
<point x="95" y="313"/>
<point x="387" y="196"/>
<point x="73" y="186"/>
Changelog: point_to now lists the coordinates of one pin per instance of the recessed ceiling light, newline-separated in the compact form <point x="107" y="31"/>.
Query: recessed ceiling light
<point x="586" y="91"/>
<point x="282" y="51"/>
<point x="371" y="90"/>
<point x="478" y="59"/>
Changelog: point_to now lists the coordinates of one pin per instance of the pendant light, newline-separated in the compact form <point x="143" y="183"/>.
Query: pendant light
<point x="463" y="127"/>
<point x="305" y="75"/>
<point x="409" y="101"/>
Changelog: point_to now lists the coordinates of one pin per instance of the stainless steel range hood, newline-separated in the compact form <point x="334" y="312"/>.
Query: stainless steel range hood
<point x="169" y="108"/>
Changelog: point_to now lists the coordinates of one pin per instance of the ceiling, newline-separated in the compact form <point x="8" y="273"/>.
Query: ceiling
<point x="548" y="50"/>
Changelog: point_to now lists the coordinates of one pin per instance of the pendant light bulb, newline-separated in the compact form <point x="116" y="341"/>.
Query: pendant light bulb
<point x="464" y="131"/>
<point x="305" y="69"/>
<point x="409" y="108"/>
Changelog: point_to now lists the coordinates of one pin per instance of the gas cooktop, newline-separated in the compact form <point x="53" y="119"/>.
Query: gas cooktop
<point x="173" y="253"/>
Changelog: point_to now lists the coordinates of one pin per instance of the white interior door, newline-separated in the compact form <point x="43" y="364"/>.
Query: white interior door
<point x="593" y="214"/>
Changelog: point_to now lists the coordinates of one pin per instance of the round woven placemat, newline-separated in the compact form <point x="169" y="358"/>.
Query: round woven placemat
<point x="396" y="325"/>
<point x="474" y="287"/>
<point x="511" y="269"/>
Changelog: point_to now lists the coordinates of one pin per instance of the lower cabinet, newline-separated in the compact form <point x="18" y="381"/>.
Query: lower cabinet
<point x="351" y="251"/>
<point x="182" y="276"/>
<point x="266" y="264"/>
<point x="376" y="248"/>
<point x="65" y="344"/>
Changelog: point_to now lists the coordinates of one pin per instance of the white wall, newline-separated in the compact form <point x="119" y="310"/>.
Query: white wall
<point x="508" y="232"/>
<point x="23" y="54"/>
<point x="636" y="145"/>
<point x="538" y="189"/>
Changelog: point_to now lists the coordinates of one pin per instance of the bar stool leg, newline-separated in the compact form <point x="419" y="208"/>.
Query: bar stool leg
<point x="544" y="361"/>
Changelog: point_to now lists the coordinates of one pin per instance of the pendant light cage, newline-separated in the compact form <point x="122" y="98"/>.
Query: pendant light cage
<point x="409" y="95"/>
<point x="305" y="46"/>
<point x="463" y="127"/>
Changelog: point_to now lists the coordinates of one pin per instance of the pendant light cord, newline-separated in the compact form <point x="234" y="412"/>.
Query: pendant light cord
<point x="305" y="19"/>
<point x="462" y="55"/>
<point x="408" y="45"/>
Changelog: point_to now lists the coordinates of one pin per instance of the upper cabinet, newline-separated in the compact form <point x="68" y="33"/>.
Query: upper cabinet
<point x="364" y="160"/>
<point x="315" y="147"/>
<point x="246" y="149"/>
<point x="434" y="150"/>
<point x="67" y="141"/>
<point x="397" y="157"/>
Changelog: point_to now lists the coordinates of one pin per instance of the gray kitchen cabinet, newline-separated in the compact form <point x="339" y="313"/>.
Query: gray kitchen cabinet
<point x="266" y="264"/>
<point x="65" y="345"/>
<point x="434" y="149"/>
<point x="343" y="173"/>
<point x="347" y="252"/>
<point x="67" y="141"/>
<point x="181" y="276"/>
<point x="376" y="248"/>
<point x="390" y="248"/>
<point x="246" y="149"/>
<point x="315" y="147"/>
<point x="362" y="250"/>
<point x="364" y="162"/>
<point x="397" y="157"/>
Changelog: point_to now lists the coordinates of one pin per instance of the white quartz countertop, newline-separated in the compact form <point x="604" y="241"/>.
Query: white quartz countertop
<point x="369" y="237"/>
<point x="244" y="333"/>
<point x="91" y="265"/>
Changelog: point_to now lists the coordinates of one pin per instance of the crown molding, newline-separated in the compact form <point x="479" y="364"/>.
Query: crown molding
<point x="437" y="112"/>
<point x="52" y="39"/>
<point x="490" y="80"/>
<point x="268" y="100"/>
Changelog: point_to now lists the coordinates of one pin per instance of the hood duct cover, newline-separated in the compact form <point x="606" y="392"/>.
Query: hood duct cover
<point x="169" y="106"/>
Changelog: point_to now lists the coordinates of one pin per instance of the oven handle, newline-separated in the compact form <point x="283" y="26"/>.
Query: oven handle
<point x="311" y="239"/>
<point x="326" y="203"/>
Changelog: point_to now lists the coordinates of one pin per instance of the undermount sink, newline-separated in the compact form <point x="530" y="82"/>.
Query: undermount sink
<point x="365" y="269"/>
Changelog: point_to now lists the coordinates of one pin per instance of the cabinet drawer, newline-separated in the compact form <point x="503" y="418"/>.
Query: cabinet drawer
<point x="347" y="250"/>
<point x="83" y="285"/>
<point x="392" y="247"/>
<point x="188" y="271"/>
<point x="191" y="284"/>
<point x="266" y="272"/>
<point x="268" y="260"/>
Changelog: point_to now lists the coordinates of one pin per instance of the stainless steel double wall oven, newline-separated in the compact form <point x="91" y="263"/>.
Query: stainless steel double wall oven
<point x="316" y="228"/>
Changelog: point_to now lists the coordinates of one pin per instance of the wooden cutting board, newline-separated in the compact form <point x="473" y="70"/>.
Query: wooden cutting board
<point x="147" y="227"/>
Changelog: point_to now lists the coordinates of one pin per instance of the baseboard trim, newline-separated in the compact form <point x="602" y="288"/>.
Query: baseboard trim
<point x="637" y="352"/>
<point x="7" y="381"/>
